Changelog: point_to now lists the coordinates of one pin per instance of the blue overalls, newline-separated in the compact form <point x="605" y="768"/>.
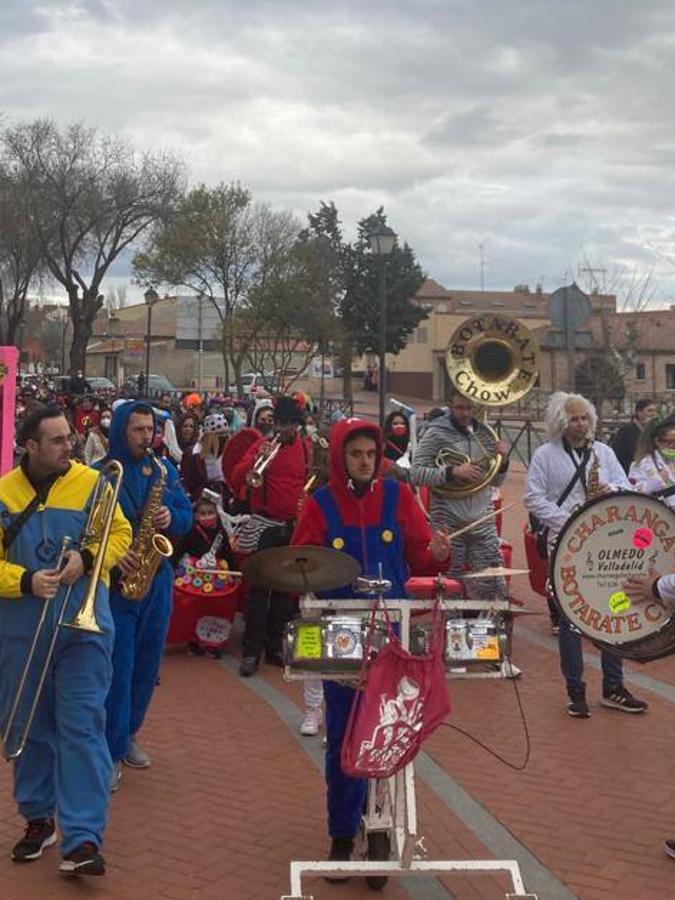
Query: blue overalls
<point x="371" y="546"/>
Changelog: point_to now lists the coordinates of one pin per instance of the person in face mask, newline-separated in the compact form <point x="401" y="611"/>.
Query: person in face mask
<point x="396" y="435"/>
<point x="263" y="417"/>
<point x="653" y="469"/>
<point x="96" y="446"/>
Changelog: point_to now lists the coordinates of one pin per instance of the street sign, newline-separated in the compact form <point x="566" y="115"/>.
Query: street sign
<point x="569" y="307"/>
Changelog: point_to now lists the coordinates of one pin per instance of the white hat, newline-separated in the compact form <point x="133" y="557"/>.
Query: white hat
<point x="217" y="423"/>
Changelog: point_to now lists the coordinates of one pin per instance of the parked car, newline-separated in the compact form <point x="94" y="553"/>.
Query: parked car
<point x="253" y="383"/>
<point x="158" y="384"/>
<point x="98" y="384"/>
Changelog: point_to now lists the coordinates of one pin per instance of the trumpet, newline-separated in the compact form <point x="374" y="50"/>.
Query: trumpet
<point x="254" y="477"/>
<point x="96" y="531"/>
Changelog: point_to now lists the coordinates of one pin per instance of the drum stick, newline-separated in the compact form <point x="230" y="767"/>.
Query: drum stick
<point x="485" y="518"/>
<point x="224" y="573"/>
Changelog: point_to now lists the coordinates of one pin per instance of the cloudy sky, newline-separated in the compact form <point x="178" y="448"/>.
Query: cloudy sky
<point x="539" y="129"/>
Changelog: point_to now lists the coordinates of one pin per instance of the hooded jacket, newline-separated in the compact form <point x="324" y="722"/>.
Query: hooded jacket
<point x="136" y="484"/>
<point x="366" y="510"/>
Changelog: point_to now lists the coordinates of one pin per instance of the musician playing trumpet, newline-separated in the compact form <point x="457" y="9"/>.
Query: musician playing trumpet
<point x="273" y="473"/>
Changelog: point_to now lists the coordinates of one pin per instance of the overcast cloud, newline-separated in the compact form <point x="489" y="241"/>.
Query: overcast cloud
<point x="543" y="130"/>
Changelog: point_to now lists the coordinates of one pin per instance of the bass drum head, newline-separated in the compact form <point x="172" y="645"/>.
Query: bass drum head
<point x="611" y="538"/>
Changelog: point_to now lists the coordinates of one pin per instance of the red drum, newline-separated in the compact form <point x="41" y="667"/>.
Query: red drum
<point x="610" y="538"/>
<point x="538" y="567"/>
<point x="427" y="587"/>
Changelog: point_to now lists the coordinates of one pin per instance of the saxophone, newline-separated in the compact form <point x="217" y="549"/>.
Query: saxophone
<point x="593" y="477"/>
<point x="150" y="546"/>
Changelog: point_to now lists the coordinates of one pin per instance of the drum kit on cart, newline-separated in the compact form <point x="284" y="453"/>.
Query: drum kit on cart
<point x="328" y="641"/>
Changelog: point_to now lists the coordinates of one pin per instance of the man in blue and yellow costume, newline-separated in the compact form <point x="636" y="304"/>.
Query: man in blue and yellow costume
<point x="65" y="768"/>
<point x="140" y="625"/>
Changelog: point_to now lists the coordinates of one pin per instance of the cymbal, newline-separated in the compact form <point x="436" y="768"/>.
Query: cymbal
<point x="495" y="572"/>
<point x="301" y="569"/>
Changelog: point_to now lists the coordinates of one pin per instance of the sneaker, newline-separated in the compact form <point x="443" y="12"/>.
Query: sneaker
<point x="621" y="698"/>
<point x="115" y="777"/>
<point x="40" y="833"/>
<point x="136" y="757"/>
<point x="379" y="848"/>
<point x="311" y="724"/>
<point x="83" y="860"/>
<point x="248" y="667"/>
<point x="341" y="850"/>
<point x="509" y="670"/>
<point x="669" y="847"/>
<point x="577" y="706"/>
<point x="194" y="649"/>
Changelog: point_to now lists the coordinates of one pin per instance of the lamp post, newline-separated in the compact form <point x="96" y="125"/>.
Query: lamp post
<point x="151" y="297"/>
<point x="382" y="240"/>
<point x="113" y="321"/>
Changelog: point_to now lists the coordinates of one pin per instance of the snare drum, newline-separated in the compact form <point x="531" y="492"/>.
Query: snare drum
<point x="331" y="643"/>
<point x="610" y="538"/>
<point x="467" y="641"/>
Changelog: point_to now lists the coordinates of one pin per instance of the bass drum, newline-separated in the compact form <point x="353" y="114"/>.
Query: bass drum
<point x="611" y="538"/>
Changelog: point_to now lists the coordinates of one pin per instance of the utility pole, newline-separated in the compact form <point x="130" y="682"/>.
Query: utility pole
<point x="591" y="272"/>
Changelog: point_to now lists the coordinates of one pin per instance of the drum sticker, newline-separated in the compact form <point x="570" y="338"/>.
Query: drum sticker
<point x="642" y="538"/>
<point x="619" y="602"/>
<point x="308" y="644"/>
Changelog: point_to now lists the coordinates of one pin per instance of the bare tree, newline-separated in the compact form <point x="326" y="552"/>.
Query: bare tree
<point x="20" y="262"/>
<point x="86" y="198"/>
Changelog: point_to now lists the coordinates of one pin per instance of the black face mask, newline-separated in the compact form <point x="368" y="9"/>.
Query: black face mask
<point x="265" y="428"/>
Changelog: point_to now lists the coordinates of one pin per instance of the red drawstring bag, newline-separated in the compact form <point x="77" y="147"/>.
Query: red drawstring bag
<point x="400" y="701"/>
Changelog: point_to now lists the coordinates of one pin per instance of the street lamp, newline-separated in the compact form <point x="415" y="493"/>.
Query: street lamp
<point x="382" y="240"/>
<point x="151" y="297"/>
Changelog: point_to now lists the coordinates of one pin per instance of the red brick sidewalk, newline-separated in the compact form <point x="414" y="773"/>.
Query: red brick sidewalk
<point x="232" y="798"/>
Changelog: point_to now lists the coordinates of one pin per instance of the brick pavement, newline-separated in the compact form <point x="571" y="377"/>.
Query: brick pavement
<point x="231" y="797"/>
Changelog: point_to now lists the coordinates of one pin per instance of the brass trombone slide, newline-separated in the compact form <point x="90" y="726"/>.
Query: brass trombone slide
<point x="96" y="531"/>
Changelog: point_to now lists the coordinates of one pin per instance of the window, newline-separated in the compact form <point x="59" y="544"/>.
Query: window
<point x="640" y="371"/>
<point x="670" y="376"/>
<point x="421" y="336"/>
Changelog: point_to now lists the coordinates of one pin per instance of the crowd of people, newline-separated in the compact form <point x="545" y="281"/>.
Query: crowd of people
<point x="221" y="479"/>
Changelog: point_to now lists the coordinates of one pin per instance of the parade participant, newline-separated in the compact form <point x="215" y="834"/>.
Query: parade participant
<point x="202" y="467"/>
<point x="85" y="416"/>
<point x="65" y="767"/>
<point x="396" y="435"/>
<point x="78" y="384"/>
<point x="140" y="626"/>
<point x="380" y="524"/>
<point x="274" y="506"/>
<point x="625" y="441"/>
<point x="653" y="470"/>
<point x="263" y="416"/>
<point x="556" y="484"/>
<point x="187" y="431"/>
<point x="205" y="545"/>
<point x="96" y="445"/>
<point x="461" y="431"/>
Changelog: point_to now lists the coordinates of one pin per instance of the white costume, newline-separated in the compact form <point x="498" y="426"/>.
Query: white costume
<point x="551" y="470"/>
<point x="652" y="474"/>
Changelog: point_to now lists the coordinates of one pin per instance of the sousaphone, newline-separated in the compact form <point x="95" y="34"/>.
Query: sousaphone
<point x="492" y="360"/>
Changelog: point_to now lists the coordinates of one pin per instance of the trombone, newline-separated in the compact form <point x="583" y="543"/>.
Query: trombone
<point x="96" y="531"/>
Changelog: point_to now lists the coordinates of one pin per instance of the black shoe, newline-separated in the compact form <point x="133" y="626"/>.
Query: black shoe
<point x="577" y="707"/>
<point x="379" y="848"/>
<point x="620" y="698"/>
<point x="214" y="652"/>
<point x="275" y="659"/>
<point x="40" y="833"/>
<point x="341" y="850"/>
<point x="248" y="667"/>
<point x="669" y="847"/>
<point x="194" y="649"/>
<point x="83" y="860"/>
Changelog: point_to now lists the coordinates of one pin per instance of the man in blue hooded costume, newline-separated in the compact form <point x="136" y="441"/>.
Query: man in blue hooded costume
<point x="140" y="626"/>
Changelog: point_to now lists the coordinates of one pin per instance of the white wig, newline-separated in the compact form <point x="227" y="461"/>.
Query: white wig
<point x="558" y="417"/>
